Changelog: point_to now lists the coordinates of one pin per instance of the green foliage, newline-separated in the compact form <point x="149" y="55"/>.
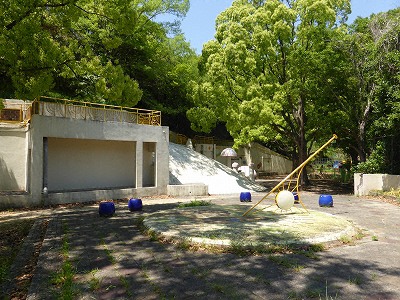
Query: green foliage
<point x="376" y="162"/>
<point x="265" y="73"/>
<point x="369" y="100"/>
<point x="194" y="203"/>
<point x="79" y="48"/>
<point x="1" y="103"/>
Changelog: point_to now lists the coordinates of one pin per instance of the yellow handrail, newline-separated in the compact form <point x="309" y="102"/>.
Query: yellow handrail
<point x="140" y="116"/>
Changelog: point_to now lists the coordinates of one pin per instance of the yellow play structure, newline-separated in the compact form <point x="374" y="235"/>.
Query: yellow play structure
<point x="285" y="197"/>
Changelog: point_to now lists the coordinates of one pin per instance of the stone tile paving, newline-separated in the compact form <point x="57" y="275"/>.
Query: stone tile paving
<point x="113" y="260"/>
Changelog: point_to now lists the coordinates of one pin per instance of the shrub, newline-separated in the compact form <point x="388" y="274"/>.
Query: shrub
<point x="376" y="162"/>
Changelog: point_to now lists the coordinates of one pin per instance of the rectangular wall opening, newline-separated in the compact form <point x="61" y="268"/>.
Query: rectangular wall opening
<point x="149" y="164"/>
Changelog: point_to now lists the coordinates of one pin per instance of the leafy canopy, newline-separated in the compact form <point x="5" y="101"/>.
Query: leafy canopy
<point x="262" y="73"/>
<point x="66" y="47"/>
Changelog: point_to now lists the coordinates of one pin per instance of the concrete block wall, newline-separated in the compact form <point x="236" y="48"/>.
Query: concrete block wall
<point x="364" y="184"/>
<point x="197" y="189"/>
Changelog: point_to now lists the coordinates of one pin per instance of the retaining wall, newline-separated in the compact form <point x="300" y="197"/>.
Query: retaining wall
<point x="364" y="184"/>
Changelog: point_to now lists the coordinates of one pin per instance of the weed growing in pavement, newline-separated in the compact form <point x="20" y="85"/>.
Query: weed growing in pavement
<point x="194" y="203"/>
<point x="64" y="278"/>
<point x="184" y="244"/>
<point x="198" y="272"/>
<point x="359" y="234"/>
<point x="154" y="286"/>
<point x="327" y="297"/>
<point x="108" y="252"/>
<point x="228" y="291"/>
<point x="286" y="262"/>
<point x="374" y="276"/>
<point x="94" y="282"/>
<point x="312" y="294"/>
<point x="355" y="280"/>
<point x="154" y="236"/>
<point x="374" y="238"/>
<point x="125" y="283"/>
<point x="345" y="239"/>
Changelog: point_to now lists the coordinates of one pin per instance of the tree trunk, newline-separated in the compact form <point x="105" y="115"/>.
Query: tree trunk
<point x="302" y="142"/>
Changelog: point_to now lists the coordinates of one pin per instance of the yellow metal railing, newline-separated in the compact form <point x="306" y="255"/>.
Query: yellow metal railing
<point x="58" y="107"/>
<point x="177" y="138"/>
<point x="16" y="112"/>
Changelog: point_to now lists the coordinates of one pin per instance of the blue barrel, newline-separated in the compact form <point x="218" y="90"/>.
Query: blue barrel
<point x="296" y="197"/>
<point x="325" y="200"/>
<point x="245" y="197"/>
<point x="135" y="204"/>
<point x="106" y="209"/>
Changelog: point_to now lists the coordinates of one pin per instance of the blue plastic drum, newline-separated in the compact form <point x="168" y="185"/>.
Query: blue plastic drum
<point x="135" y="204"/>
<point x="325" y="200"/>
<point x="106" y="209"/>
<point x="296" y="197"/>
<point x="245" y="197"/>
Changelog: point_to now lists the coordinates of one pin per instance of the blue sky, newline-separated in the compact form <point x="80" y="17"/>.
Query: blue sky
<point x="198" y="25"/>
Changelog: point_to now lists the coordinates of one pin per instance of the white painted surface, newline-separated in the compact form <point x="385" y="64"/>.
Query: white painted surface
<point x="364" y="184"/>
<point x="79" y="164"/>
<point x="13" y="158"/>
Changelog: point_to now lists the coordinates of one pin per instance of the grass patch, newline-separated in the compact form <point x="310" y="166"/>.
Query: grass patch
<point x="12" y="237"/>
<point x="94" y="281"/>
<point x="356" y="280"/>
<point x="346" y="239"/>
<point x="64" y="278"/>
<point x="393" y="195"/>
<point x="108" y="252"/>
<point x="195" y="203"/>
<point x="286" y="262"/>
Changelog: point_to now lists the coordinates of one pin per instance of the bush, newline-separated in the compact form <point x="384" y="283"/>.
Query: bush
<point x="195" y="203"/>
<point x="376" y="162"/>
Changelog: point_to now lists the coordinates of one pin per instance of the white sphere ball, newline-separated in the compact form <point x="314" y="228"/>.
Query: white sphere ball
<point x="284" y="200"/>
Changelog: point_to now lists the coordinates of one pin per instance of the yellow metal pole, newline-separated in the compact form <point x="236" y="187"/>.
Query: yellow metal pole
<point x="293" y="172"/>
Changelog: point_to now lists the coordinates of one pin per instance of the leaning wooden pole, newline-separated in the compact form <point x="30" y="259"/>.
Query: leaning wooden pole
<point x="293" y="172"/>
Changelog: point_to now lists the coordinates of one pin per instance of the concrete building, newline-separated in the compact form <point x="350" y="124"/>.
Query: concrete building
<point x="55" y="151"/>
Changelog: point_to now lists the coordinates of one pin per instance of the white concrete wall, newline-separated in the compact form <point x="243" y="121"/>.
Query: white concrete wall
<point x="263" y="159"/>
<point x="364" y="184"/>
<point x="79" y="164"/>
<point x="13" y="158"/>
<point x="196" y="189"/>
<point x="87" y="136"/>
<point x="268" y="161"/>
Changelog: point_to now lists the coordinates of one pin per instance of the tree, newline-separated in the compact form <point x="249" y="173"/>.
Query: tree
<point x="65" y="47"/>
<point x="163" y="70"/>
<point x="370" y="94"/>
<point x="261" y="74"/>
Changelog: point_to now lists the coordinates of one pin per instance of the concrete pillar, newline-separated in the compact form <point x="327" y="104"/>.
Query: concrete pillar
<point x="45" y="165"/>
<point x="139" y="164"/>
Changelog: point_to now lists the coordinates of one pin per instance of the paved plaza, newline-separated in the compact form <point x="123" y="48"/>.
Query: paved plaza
<point x="112" y="259"/>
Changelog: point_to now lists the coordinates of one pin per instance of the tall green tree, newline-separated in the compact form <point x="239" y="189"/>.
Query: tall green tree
<point x="261" y="74"/>
<point x="369" y="100"/>
<point x="65" y="47"/>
